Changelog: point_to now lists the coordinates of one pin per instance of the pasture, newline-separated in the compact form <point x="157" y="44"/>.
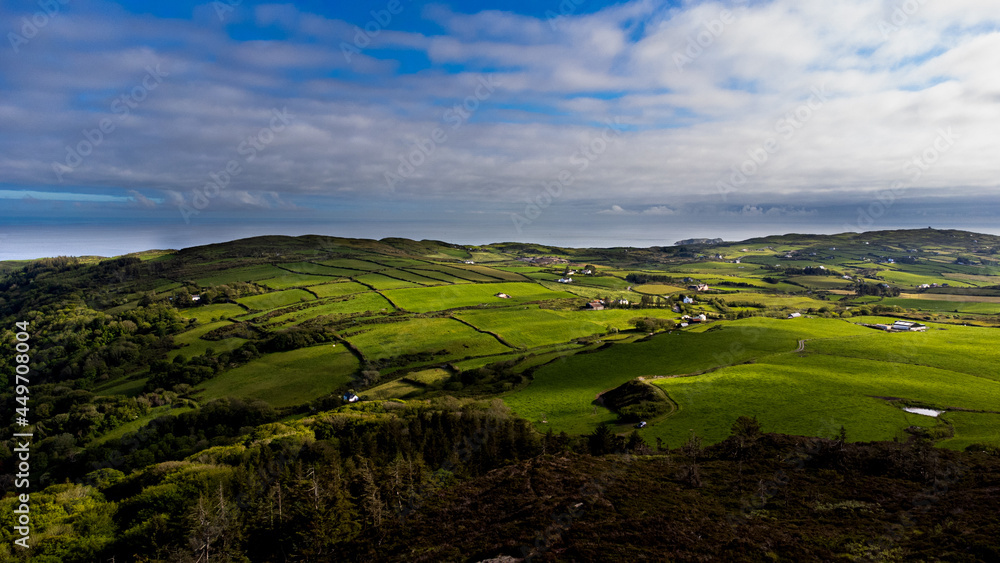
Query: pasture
<point x="444" y="339"/>
<point x="337" y="289"/>
<point x="286" y="378"/>
<point x="209" y="313"/>
<point x="193" y="345"/>
<point x="247" y="274"/>
<point x="834" y="382"/>
<point x="268" y="301"/>
<point x="289" y="280"/>
<point x="531" y="327"/>
<point x="356" y="303"/>
<point x="469" y="295"/>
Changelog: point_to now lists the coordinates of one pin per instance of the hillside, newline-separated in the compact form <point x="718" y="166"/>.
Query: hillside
<point x="178" y="395"/>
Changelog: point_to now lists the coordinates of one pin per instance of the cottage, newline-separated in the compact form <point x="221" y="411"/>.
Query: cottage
<point x="565" y="280"/>
<point x="470" y="262"/>
<point x="688" y="301"/>
<point x="502" y="296"/>
<point x="595" y="306"/>
<point x="196" y="298"/>
<point x="351" y="397"/>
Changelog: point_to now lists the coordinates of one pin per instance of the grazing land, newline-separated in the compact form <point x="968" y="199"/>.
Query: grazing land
<point x="364" y="371"/>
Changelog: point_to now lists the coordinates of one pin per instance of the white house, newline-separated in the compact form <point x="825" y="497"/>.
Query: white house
<point x="351" y="398"/>
<point x="503" y="296"/>
<point x="469" y="262"/>
<point x="565" y="280"/>
<point x="688" y="301"/>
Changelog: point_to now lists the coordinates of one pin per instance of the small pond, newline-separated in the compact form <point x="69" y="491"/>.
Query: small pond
<point x="925" y="412"/>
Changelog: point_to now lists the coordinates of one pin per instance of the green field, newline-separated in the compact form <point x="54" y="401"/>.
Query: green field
<point x="446" y="339"/>
<point x="380" y="282"/>
<point x="356" y="303"/>
<point x="831" y="384"/>
<point x="942" y="306"/>
<point x="287" y="378"/>
<point x="208" y="313"/>
<point x="312" y="268"/>
<point x="248" y="274"/>
<point x="460" y="272"/>
<point x="337" y="289"/>
<point x="440" y="277"/>
<point x="193" y="345"/>
<point x="469" y="295"/>
<point x="816" y="394"/>
<point x="530" y="328"/>
<point x="276" y="299"/>
<point x="502" y="274"/>
<point x="289" y="280"/>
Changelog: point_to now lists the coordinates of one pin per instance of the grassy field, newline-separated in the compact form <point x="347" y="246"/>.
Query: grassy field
<point x="439" y="276"/>
<point x="816" y="394"/>
<point x="208" y="313"/>
<point x="356" y="303"/>
<point x="460" y="272"/>
<point x="193" y="345"/>
<point x="447" y="339"/>
<point x="564" y="390"/>
<point x="380" y="282"/>
<point x="290" y="280"/>
<point x="337" y="289"/>
<point x="287" y="378"/>
<point x="833" y="383"/>
<point x="946" y="306"/>
<point x="469" y="295"/>
<point x="312" y="268"/>
<point x="248" y="274"/>
<point x="276" y="299"/>
<point x="531" y="328"/>
<point x="501" y="274"/>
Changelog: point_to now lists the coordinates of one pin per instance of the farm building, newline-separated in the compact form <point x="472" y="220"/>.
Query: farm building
<point x="502" y="296"/>
<point x="351" y="397"/>
<point x="565" y="280"/>
<point x="470" y="262"/>
<point x="908" y="326"/>
<point x="794" y="315"/>
<point x="699" y="287"/>
<point x="596" y="305"/>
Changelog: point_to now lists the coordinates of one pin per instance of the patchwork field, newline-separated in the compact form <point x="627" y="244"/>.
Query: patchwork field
<point x="289" y="280"/>
<point x="337" y="289"/>
<point x="834" y="382"/>
<point x="443" y="339"/>
<point x="356" y="303"/>
<point x="276" y="299"/>
<point x="469" y="295"/>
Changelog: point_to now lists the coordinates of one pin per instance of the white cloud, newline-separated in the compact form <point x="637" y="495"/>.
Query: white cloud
<point x="685" y="131"/>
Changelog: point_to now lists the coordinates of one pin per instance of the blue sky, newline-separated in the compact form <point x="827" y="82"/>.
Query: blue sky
<point x="478" y="121"/>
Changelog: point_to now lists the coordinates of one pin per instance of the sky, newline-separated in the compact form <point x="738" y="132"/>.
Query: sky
<point x="139" y="124"/>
